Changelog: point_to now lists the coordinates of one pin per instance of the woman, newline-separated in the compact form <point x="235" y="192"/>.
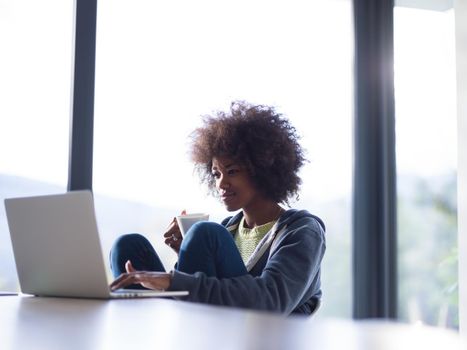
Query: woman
<point x="265" y="257"/>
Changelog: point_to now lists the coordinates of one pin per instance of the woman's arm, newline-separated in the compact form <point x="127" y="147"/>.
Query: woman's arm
<point x="290" y="277"/>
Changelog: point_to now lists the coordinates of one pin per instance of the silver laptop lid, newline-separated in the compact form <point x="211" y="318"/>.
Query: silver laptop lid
<point x="56" y="245"/>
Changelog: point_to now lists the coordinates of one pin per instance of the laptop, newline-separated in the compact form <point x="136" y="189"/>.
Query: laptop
<point x="58" y="251"/>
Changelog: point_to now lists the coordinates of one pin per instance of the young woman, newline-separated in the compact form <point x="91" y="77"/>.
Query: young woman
<point x="264" y="257"/>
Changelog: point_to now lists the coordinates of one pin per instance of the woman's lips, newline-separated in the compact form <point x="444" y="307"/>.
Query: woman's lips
<point x="227" y="196"/>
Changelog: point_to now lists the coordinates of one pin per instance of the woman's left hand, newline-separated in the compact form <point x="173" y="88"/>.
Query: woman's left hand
<point x="173" y="236"/>
<point x="148" y="279"/>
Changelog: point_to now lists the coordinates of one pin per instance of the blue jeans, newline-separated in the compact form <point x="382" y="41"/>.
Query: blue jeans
<point x="207" y="247"/>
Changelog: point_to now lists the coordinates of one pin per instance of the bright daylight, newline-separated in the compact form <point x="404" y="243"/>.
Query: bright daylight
<point x="162" y="66"/>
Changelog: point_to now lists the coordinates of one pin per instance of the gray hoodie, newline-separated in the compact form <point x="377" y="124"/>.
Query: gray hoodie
<point x="283" y="271"/>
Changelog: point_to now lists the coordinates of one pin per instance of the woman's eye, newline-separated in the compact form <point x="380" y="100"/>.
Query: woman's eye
<point x="232" y="171"/>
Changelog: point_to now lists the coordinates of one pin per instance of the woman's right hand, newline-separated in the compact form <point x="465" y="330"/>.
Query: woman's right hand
<point x="173" y="236"/>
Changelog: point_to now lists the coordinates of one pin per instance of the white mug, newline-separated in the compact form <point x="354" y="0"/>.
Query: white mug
<point x="188" y="220"/>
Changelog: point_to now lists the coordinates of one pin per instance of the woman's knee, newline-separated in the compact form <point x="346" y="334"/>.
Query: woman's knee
<point x="130" y="239"/>
<point x="129" y="244"/>
<point x="136" y="248"/>
<point x="206" y="232"/>
<point x="205" y="229"/>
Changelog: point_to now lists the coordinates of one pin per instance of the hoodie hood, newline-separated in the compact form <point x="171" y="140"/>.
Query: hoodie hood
<point x="270" y="241"/>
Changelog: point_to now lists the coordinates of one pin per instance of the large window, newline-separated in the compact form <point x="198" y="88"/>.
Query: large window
<point x="426" y="165"/>
<point x="161" y="65"/>
<point x="35" y="71"/>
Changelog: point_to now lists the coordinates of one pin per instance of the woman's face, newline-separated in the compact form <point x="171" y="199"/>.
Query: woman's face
<point x="234" y="184"/>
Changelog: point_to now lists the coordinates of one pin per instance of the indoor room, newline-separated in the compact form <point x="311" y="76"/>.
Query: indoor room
<point x="108" y="99"/>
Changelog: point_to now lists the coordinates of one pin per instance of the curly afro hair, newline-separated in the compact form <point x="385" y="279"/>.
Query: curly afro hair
<point x="256" y="137"/>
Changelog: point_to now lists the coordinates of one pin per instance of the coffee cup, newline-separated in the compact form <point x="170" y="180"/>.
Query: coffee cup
<point x="188" y="220"/>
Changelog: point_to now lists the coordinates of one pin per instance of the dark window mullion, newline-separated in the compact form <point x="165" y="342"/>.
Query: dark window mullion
<point x="374" y="216"/>
<point x="82" y="104"/>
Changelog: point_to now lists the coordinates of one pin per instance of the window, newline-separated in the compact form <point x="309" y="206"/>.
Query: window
<point x="426" y="165"/>
<point x="161" y="65"/>
<point x="35" y="71"/>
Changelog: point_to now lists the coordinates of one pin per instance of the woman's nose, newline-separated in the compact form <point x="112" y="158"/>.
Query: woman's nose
<point x="223" y="183"/>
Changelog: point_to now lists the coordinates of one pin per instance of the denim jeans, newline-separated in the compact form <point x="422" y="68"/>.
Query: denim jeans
<point x="207" y="247"/>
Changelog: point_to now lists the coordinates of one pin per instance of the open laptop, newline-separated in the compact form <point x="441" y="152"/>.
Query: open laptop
<point x="57" y="248"/>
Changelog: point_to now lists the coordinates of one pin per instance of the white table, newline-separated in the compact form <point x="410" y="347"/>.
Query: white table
<point x="58" y="323"/>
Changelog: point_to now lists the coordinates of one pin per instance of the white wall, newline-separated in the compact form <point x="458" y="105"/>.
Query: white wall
<point x="460" y="7"/>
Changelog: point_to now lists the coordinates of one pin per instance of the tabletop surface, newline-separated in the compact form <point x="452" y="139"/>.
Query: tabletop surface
<point x="59" y="323"/>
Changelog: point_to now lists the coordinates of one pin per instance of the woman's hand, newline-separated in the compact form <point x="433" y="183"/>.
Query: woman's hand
<point x="173" y="236"/>
<point x="148" y="279"/>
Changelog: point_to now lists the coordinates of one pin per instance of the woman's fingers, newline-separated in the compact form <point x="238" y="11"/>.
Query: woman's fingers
<point x="170" y="230"/>
<point x="173" y="236"/>
<point x="173" y="226"/>
<point x="175" y="245"/>
<point x="173" y="231"/>
<point x="151" y="280"/>
<point x="129" y="267"/>
<point x="124" y="280"/>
